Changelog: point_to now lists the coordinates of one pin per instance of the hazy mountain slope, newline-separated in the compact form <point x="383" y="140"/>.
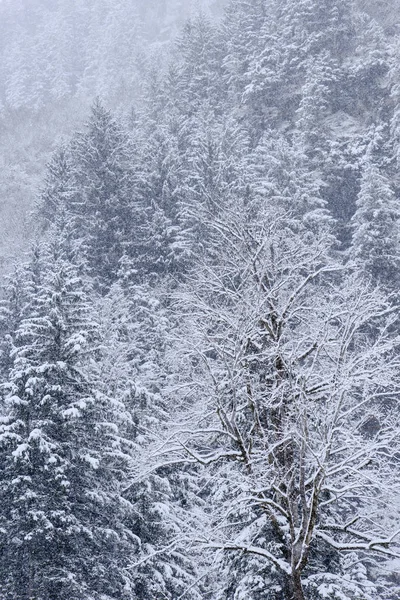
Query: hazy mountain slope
<point x="55" y="58"/>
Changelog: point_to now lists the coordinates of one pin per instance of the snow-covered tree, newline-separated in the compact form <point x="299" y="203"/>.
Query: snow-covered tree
<point x="198" y="62"/>
<point x="63" y="520"/>
<point x="57" y="195"/>
<point x="376" y="228"/>
<point x="313" y="109"/>
<point x="282" y="177"/>
<point x="106" y="207"/>
<point x="135" y="325"/>
<point x="199" y="383"/>
<point x="11" y="313"/>
<point x="291" y="375"/>
<point x="167" y="249"/>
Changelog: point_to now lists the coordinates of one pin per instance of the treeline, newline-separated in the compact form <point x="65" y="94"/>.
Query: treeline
<point x="53" y="51"/>
<point x="199" y="358"/>
<point x="55" y="58"/>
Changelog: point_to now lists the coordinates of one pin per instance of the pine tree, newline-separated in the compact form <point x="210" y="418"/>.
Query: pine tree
<point x="108" y="207"/>
<point x="60" y="187"/>
<point x="62" y="516"/>
<point x="314" y="108"/>
<point x="199" y="66"/>
<point x="133" y="368"/>
<point x="376" y="228"/>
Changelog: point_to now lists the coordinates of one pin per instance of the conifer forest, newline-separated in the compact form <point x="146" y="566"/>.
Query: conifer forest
<point x="199" y="300"/>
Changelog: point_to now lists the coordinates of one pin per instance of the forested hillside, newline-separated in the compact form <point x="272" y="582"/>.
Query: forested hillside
<point x="56" y="56"/>
<point x="199" y="353"/>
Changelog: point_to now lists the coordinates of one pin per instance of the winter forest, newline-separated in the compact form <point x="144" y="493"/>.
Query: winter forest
<point x="199" y="300"/>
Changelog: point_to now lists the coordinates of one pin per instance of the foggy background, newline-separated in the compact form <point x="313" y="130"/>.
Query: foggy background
<point x="56" y="56"/>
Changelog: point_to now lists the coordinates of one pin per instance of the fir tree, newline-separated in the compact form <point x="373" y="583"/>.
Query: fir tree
<point x="199" y="66"/>
<point x="313" y="110"/>
<point x="108" y="205"/>
<point x="376" y="229"/>
<point x="62" y="516"/>
<point x="60" y="187"/>
<point x="281" y="176"/>
<point x="133" y="368"/>
<point x="12" y="307"/>
<point x="166" y="249"/>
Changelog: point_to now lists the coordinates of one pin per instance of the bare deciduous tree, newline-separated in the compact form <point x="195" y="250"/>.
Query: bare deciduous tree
<point x="291" y="379"/>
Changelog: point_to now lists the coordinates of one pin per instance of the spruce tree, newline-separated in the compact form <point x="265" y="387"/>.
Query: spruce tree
<point x="376" y="229"/>
<point x="12" y="306"/>
<point x="199" y="66"/>
<point x="314" y="108"/>
<point x="108" y="207"/>
<point x="62" y="463"/>
<point x="166" y="246"/>
<point x="60" y="187"/>
<point x="135" y="326"/>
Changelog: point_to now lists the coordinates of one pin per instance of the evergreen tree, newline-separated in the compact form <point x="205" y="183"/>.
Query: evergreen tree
<point x="167" y="249"/>
<point x="311" y="27"/>
<point x="251" y="63"/>
<point x="199" y="56"/>
<point x="394" y="78"/>
<point x="281" y="177"/>
<point x="108" y="205"/>
<point x="165" y="503"/>
<point x="133" y="369"/>
<point x="60" y="187"/>
<point x="313" y="110"/>
<point x="360" y="90"/>
<point x="12" y="307"/>
<point x="62" y="516"/>
<point x="113" y="45"/>
<point x="376" y="229"/>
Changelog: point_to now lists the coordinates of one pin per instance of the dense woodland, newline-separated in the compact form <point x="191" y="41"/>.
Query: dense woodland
<point x="199" y="346"/>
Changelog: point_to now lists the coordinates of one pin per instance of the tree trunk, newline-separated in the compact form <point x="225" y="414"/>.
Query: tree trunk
<point x="297" y="587"/>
